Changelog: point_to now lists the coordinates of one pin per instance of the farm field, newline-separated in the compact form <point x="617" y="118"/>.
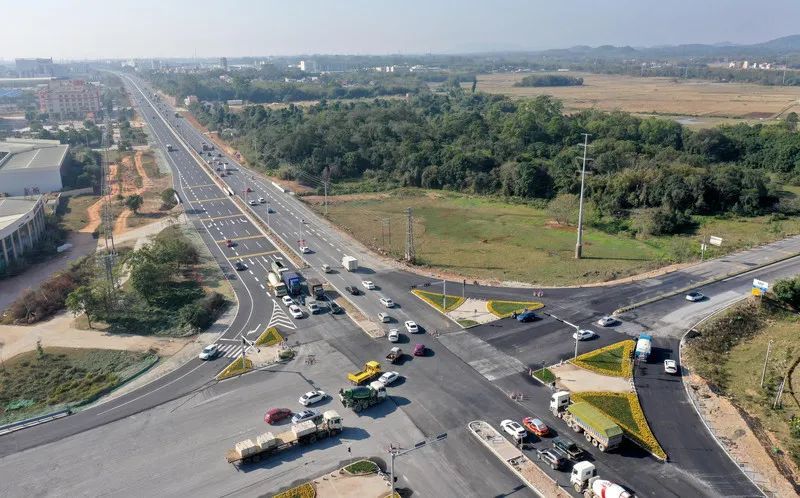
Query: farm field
<point x="716" y="103"/>
<point x="480" y="237"/>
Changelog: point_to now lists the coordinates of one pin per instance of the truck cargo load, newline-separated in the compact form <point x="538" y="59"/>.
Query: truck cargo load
<point x="278" y="267"/>
<point x="371" y="370"/>
<point x="643" y="347"/>
<point x="604" y="433"/>
<point x="395" y="355"/>
<point x="292" y="281"/>
<point x="349" y="263"/>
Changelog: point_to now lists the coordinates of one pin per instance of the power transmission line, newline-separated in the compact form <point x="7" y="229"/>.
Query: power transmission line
<point x="410" y="253"/>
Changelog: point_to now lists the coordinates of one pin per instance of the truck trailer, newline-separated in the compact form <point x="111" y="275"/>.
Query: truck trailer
<point x="292" y="281"/>
<point x="349" y="263"/>
<point x="307" y="432"/>
<point x="362" y="397"/>
<point x="597" y="428"/>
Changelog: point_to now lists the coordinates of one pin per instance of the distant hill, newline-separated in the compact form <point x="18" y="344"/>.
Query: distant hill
<point x="789" y="43"/>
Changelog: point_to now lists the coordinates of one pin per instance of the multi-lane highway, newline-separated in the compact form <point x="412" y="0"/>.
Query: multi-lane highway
<point x="467" y="376"/>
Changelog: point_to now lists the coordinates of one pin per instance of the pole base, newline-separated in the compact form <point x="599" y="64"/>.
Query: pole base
<point x="578" y="251"/>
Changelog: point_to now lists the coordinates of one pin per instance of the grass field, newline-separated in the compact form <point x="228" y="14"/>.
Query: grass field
<point x="478" y="237"/>
<point x="75" y="217"/>
<point x="665" y="96"/>
<point x="614" y="360"/>
<point x="503" y="309"/>
<point x="35" y="382"/>
<point x="437" y="300"/>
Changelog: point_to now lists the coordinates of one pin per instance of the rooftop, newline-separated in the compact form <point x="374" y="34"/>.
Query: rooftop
<point x="11" y="208"/>
<point x="31" y="154"/>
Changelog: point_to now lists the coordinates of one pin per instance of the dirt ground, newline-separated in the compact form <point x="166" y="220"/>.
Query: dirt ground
<point x="573" y="378"/>
<point x="655" y="95"/>
<point x="473" y="309"/>
<point x="335" y="485"/>
<point x="93" y="211"/>
<point x="746" y="448"/>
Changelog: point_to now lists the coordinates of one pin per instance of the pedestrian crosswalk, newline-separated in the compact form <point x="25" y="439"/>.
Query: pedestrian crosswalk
<point x="230" y="350"/>
<point x="279" y="317"/>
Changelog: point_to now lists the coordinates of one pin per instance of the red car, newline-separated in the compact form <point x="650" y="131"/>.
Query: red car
<point x="249" y="189"/>
<point x="419" y="350"/>
<point x="536" y="426"/>
<point x="276" y="415"/>
<point x="230" y="243"/>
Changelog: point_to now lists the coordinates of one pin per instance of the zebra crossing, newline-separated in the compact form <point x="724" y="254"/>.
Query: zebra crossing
<point x="230" y="350"/>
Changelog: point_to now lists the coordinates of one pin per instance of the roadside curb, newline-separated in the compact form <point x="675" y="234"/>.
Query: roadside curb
<point x="438" y="310"/>
<point x="702" y="283"/>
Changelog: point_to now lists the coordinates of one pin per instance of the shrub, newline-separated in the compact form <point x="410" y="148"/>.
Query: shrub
<point x="788" y="291"/>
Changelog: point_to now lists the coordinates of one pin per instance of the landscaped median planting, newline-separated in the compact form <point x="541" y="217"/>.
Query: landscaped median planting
<point x="269" y="337"/>
<point x="362" y="467"/>
<point x="624" y="409"/>
<point x="302" y="491"/>
<point x="504" y="309"/>
<point x="435" y="300"/>
<point x="544" y="375"/>
<point x="614" y="360"/>
<point x="237" y="367"/>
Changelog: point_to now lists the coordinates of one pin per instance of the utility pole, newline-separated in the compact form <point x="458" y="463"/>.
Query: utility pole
<point x="464" y="288"/>
<point x="326" y="175"/>
<point x="766" y="357"/>
<point x="410" y="256"/>
<point x="444" y="296"/>
<point x="396" y="451"/>
<point x="579" y="244"/>
<point x="107" y="220"/>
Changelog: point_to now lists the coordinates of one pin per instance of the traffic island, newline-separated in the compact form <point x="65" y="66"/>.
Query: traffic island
<point x="470" y="312"/>
<point x="361" y="478"/>
<point x="238" y="366"/>
<point x="504" y="309"/>
<point x="614" y="360"/>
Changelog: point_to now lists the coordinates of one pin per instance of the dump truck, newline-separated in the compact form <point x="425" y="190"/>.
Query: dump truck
<point x="395" y="354"/>
<point x="278" y="267"/>
<point x="371" y="370"/>
<point x="349" y="263"/>
<point x="643" y="346"/>
<point x="315" y="288"/>
<point x="362" y="397"/>
<point x="597" y="428"/>
<point x="307" y="432"/>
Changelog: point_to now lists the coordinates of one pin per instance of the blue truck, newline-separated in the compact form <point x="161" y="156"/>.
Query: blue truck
<point x="643" y="347"/>
<point x="292" y="281"/>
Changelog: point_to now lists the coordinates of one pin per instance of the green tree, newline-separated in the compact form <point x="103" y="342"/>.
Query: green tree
<point x="788" y="291"/>
<point x="134" y="202"/>
<point x="168" y="198"/>
<point x="83" y="300"/>
<point x="564" y="208"/>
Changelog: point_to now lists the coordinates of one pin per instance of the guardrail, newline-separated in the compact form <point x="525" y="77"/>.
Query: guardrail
<point x="30" y="422"/>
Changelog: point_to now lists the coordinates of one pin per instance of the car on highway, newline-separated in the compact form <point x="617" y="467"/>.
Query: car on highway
<point x="287" y="300"/>
<point x="230" y="243"/>
<point x="304" y="415"/>
<point x="671" y="367"/>
<point x="393" y="335"/>
<point x="384" y="317"/>
<point x="326" y="268"/>
<point x="388" y="378"/>
<point x="513" y="429"/>
<point x="295" y="311"/>
<point x="552" y="457"/>
<point x="536" y="426"/>
<point x="352" y="290"/>
<point x="248" y="190"/>
<point x="335" y="308"/>
<point x="583" y="335"/>
<point x="368" y="284"/>
<point x="305" y="249"/>
<point x="411" y="327"/>
<point x="419" y="350"/>
<point x="252" y="202"/>
<point x="313" y="307"/>
<point x="261" y="200"/>
<point x="209" y="352"/>
<point x="607" y="321"/>
<point x="312" y="397"/>
<point x="270" y="210"/>
<point x="569" y="448"/>
<point x="387" y="302"/>
<point x="695" y="296"/>
<point x="274" y="415"/>
<point x="240" y="266"/>
<point x="527" y="316"/>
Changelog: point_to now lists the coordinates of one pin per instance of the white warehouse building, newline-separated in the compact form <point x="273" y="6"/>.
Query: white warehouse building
<point x="28" y="167"/>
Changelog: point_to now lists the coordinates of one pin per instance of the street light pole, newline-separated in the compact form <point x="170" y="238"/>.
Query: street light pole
<point x="579" y="244"/>
<point x="577" y="329"/>
<point x="396" y="452"/>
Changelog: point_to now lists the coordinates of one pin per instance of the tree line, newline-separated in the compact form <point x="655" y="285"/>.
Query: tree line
<point x="549" y="80"/>
<point x="490" y="144"/>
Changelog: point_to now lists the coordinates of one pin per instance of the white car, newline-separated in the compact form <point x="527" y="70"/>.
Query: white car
<point x="295" y="311"/>
<point x="252" y="202"/>
<point x="670" y="367"/>
<point x="305" y="249"/>
<point x="313" y="307"/>
<point x="695" y="296"/>
<point x="304" y="415"/>
<point x="513" y="429"/>
<point x="388" y="378"/>
<point x="326" y="268"/>
<point x="412" y="327"/>
<point x="607" y="321"/>
<point x="209" y="352"/>
<point x="368" y="284"/>
<point x="261" y="200"/>
<point x="393" y="335"/>
<point x="287" y="300"/>
<point x="583" y="335"/>
<point x="384" y="317"/>
<point x="387" y="302"/>
<point x="312" y="397"/>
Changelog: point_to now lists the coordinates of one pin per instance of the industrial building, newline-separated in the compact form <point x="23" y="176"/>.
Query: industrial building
<point x="69" y="99"/>
<point x="21" y="226"/>
<point x="28" y="167"/>
<point x="38" y="68"/>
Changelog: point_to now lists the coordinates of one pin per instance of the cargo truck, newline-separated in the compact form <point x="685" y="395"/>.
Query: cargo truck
<point x="362" y="397"/>
<point x="643" y="346"/>
<point x="278" y="267"/>
<point x="395" y="355"/>
<point x="307" y="432"/>
<point x="598" y="429"/>
<point x="277" y="285"/>
<point x="371" y="370"/>
<point x="292" y="281"/>
<point x="349" y="263"/>
<point x="315" y="288"/>
<point x="584" y="479"/>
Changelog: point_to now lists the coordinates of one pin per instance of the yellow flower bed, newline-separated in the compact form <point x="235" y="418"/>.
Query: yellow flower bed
<point x="503" y="309"/>
<point x="614" y="359"/>
<point x="302" y="491"/>
<point x="269" y="337"/>
<point x="435" y="300"/>
<point x="624" y="409"/>
<point x="235" y="368"/>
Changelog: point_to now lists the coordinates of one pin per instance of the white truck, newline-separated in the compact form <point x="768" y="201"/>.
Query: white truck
<point x="307" y="432"/>
<point x="584" y="479"/>
<point x="597" y="428"/>
<point x="349" y="263"/>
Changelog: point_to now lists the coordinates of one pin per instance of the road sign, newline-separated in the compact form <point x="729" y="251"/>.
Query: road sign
<point x="715" y="241"/>
<point x="760" y="285"/>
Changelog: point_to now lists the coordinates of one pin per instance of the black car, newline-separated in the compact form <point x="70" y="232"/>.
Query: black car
<point x="352" y="290"/>
<point x="572" y="450"/>
<point x="335" y="308"/>
<point x="553" y="457"/>
<point x="240" y="266"/>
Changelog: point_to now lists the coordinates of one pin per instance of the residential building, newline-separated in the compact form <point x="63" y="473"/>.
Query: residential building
<point x="308" y="66"/>
<point x="38" y="68"/>
<point x="21" y="226"/>
<point x="223" y="63"/>
<point x="65" y="99"/>
<point x="29" y="166"/>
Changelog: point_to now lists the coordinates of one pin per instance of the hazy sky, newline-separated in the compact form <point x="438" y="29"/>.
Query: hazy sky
<point x="166" y="28"/>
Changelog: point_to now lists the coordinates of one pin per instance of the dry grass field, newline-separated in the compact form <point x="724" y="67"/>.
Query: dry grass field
<point x="664" y="96"/>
